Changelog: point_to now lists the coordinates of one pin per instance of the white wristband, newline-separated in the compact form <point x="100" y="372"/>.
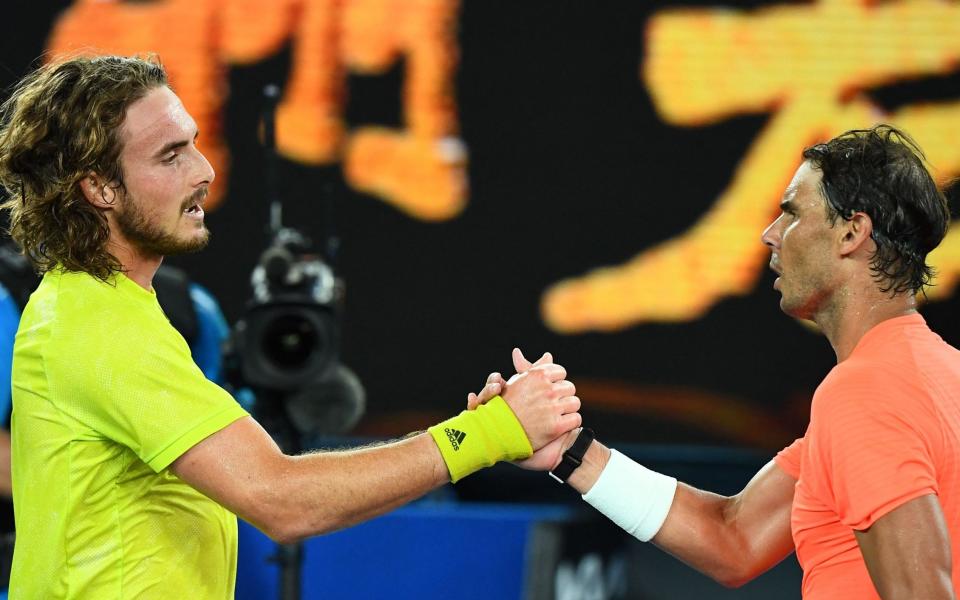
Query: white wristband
<point x="632" y="496"/>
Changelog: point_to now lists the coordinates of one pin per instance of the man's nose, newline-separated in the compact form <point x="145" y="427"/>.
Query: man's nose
<point x="771" y="236"/>
<point x="205" y="173"/>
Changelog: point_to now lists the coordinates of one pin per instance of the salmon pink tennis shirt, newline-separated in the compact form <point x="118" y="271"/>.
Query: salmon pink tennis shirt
<point x="884" y="430"/>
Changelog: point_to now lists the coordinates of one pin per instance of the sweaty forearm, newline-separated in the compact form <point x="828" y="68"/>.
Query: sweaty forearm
<point x="701" y="530"/>
<point x="292" y="497"/>
<point x="338" y="489"/>
<point x="695" y="530"/>
<point x="322" y="492"/>
<point x="731" y="539"/>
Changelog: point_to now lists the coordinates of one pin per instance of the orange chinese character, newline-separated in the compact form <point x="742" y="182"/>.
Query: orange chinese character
<point x="182" y="32"/>
<point x="805" y="64"/>
<point x="420" y="168"/>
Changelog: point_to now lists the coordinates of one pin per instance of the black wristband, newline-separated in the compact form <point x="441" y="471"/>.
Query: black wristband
<point x="573" y="457"/>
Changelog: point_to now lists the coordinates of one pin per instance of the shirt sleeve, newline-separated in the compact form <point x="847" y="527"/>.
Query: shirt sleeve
<point x="135" y="383"/>
<point x="788" y="459"/>
<point x="870" y="446"/>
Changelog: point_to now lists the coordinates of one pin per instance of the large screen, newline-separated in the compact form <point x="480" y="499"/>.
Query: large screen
<point x="586" y="178"/>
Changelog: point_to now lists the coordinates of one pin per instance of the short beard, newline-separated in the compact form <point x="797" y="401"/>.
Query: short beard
<point x="150" y="239"/>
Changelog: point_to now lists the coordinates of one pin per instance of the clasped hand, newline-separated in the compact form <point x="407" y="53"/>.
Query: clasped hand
<point x="543" y="401"/>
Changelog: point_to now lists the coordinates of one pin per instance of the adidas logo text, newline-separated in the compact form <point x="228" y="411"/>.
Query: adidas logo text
<point x="455" y="436"/>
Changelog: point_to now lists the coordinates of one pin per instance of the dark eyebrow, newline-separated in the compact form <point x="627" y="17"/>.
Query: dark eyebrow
<point x="175" y="145"/>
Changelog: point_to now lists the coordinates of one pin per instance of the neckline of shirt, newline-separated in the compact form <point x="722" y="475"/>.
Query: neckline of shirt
<point x="903" y="321"/>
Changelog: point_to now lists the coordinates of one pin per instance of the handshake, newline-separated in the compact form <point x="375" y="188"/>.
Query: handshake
<point x="530" y="419"/>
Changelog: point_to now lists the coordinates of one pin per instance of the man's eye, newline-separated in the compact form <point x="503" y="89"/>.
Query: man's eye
<point x="169" y="159"/>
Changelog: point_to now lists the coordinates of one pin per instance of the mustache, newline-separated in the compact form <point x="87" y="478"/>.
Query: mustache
<point x="195" y="198"/>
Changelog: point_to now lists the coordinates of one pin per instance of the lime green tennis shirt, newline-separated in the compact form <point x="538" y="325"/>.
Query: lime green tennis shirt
<point x="105" y="397"/>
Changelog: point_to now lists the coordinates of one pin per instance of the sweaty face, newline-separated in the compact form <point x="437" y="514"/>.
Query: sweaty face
<point x="165" y="177"/>
<point x="801" y="242"/>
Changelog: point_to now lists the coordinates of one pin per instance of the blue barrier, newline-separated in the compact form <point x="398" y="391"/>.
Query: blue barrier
<point x="428" y="549"/>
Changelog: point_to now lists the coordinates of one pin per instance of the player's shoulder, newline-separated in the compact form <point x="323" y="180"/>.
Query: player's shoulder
<point x="863" y="383"/>
<point x="83" y="311"/>
<point x="82" y="293"/>
<point x="862" y="371"/>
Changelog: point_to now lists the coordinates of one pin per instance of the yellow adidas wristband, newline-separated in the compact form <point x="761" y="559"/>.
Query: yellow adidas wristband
<point x="475" y="439"/>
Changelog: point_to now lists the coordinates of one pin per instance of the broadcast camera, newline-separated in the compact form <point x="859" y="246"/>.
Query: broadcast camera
<point x="285" y="348"/>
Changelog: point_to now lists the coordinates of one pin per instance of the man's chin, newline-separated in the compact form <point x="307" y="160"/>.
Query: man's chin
<point x="801" y="313"/>
<point x="788" y="309"/>
<point x="197" y="242"/>
<point x="192" y="249"/>
<point x="195" y="245"/>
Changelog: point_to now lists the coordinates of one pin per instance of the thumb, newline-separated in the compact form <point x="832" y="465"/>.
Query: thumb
<point x="520" y="362"/>
<point x="546" y="359"/>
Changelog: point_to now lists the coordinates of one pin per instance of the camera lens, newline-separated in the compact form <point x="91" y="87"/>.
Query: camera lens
<point x="289" y="341"/>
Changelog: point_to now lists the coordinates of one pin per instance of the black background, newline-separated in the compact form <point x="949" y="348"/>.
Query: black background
<point x="570" y="168"/>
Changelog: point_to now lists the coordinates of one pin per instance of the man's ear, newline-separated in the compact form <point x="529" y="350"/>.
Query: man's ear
<point x="98" y="191"/>
<point x="855" y="234"/>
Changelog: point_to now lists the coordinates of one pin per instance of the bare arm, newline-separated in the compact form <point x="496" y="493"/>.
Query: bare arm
<point x="907" y="551"/>
<point x="292" y="497"/>
<point x="731" y="539"/>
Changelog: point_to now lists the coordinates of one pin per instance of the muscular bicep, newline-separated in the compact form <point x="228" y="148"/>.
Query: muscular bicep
<point x="907" y="551"/>
<point x="233" y="467"/>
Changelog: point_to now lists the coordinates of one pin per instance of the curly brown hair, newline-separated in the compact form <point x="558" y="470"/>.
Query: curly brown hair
<point x="61" y="123"/>
<point x="881" y="171"/>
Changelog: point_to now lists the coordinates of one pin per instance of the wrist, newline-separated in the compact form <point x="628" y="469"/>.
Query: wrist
<point x="594" y="460"/>
<point x="479" y="438"/>
<point x="632" y="496"/>
<point x="568" y="440"/>
<point x="572" y="457"/>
